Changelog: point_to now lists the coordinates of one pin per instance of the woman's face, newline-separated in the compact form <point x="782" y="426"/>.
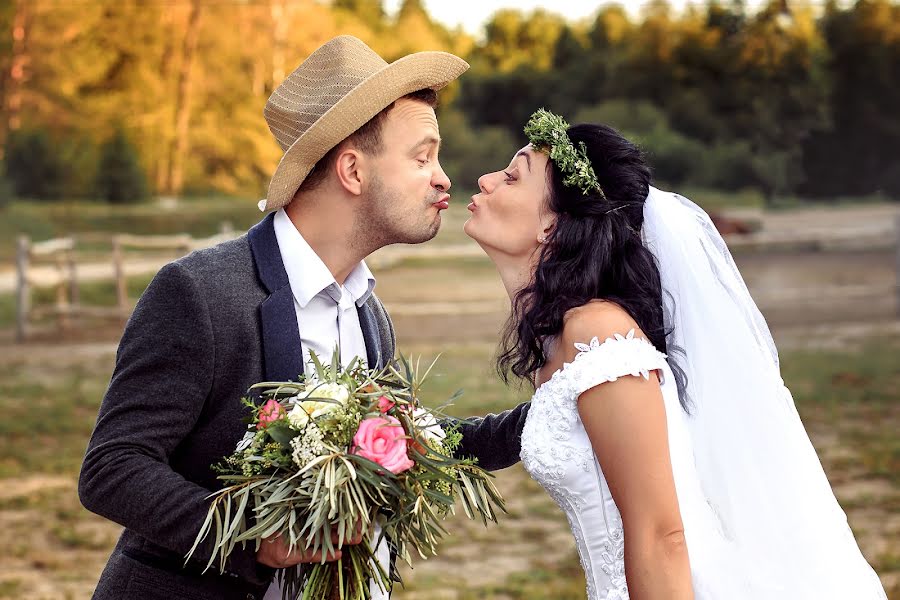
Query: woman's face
<point x="509" y="215"/>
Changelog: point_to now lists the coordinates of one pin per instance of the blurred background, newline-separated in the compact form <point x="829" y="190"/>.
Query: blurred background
<point x="131" y="133"/>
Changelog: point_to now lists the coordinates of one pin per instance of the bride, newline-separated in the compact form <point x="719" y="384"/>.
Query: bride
<point x="660" y="423"/>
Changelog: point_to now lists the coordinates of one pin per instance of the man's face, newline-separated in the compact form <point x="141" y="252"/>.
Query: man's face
<point x="407" y="188"/>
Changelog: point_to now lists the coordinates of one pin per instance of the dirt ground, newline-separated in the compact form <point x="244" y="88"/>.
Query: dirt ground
<point x="56" y="550"/>
<point x="812" y="300"/>
<point x="793" y="290"/>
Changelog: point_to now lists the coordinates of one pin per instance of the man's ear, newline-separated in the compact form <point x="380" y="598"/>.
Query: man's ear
<point x="348" y="167"/>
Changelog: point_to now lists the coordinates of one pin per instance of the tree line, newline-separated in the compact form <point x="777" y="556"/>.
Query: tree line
<point x="125" y="98"/>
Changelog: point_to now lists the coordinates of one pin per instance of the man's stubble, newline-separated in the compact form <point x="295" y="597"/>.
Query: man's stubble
<point x="380" y="222"/>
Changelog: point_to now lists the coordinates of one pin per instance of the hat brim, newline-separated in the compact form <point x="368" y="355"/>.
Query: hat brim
<point x="422" y="70"/>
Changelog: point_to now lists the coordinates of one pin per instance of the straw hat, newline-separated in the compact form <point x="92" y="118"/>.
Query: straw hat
<point x="337" y="90"/>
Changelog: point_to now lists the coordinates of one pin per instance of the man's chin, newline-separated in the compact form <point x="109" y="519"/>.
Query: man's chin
<point x="432" y="233"/>
<point x="432" y="230"/>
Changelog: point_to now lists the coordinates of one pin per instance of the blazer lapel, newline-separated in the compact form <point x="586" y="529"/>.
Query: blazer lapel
<point x="371" y="335"/>
<point x="282" y="351"/>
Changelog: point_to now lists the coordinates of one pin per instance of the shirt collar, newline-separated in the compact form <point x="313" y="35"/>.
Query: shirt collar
<point x="360" y="283"/>
<point x="306" y="272"/>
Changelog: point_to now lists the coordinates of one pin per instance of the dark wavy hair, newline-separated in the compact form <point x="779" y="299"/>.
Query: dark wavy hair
<point x="594" y="251"/>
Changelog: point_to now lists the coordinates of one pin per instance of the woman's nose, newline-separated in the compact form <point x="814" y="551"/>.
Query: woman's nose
<point x="484" y="183"/>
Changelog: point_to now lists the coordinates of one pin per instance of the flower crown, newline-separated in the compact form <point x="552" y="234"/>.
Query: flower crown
<point x="547" y="132"/>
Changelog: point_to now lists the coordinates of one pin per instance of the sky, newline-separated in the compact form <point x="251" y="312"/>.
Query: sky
<point x="472" y="14"/>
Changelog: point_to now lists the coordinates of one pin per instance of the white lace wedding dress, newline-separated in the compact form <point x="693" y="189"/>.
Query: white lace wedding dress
<point x="557" y="453"/>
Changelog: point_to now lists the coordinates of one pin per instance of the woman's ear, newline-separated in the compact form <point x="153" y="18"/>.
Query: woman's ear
<point x="548" y="223"/>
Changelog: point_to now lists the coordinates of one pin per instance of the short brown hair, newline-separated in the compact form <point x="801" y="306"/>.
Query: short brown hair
<point x="366" y="139"/>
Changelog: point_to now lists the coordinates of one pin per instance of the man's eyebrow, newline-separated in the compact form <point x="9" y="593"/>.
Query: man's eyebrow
<point x="527" y="158"/>
<point x="428" y="140"/>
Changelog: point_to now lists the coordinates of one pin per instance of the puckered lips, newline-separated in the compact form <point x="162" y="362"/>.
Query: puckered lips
<point x="442" y="203"/>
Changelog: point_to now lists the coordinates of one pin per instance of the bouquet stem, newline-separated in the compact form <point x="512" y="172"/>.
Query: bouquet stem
<point x="344" y="579"/>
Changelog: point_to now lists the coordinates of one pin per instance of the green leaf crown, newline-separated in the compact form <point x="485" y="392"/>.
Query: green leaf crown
<point x="547" y="132"/>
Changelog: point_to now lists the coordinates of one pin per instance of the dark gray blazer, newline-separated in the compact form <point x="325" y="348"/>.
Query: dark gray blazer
<point x="208" y="327"/>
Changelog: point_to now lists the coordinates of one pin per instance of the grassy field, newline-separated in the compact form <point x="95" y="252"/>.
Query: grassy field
<point x="849" y="401"/>
<point x="203" y="216"/>
<point x="93" y="294"/>
<point x="50" y="392"/>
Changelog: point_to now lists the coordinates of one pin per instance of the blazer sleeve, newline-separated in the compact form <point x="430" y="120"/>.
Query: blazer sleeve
<point x="162" y="378"/>
<point x="495" y="440"/>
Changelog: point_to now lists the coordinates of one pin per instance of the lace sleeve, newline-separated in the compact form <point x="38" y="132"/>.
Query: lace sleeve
<point x="601" y="362"/>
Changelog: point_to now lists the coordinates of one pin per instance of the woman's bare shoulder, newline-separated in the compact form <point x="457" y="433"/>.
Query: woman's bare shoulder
<point x="598" y="318"/>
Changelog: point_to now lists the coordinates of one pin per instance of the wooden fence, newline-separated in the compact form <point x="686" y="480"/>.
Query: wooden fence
<point x="61" y="255"/>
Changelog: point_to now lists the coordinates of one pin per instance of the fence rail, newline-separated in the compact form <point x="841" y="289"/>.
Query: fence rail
<point x="60" y="255"/>
<point x="60" y="269"/>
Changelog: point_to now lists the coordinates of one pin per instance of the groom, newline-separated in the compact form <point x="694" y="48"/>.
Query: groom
<point x="360" y="171"/>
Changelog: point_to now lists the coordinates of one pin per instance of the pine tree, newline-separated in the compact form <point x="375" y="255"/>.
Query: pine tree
<point x="120" y="179"/>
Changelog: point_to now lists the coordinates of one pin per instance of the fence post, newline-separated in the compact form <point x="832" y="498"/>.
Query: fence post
<point x="62" y="296"/>
<point x="897" y="274"/>
<point x="74" y="292"/>
<point x="119" y="269"/>
<point x="23" y="293"/>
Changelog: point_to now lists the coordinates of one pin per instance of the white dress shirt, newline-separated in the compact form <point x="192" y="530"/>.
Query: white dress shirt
<point x="327" y="318"/>
<point x="326" y="310"/>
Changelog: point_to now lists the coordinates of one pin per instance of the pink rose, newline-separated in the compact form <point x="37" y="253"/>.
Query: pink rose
<point x="383" y="440"/>
<point x="270" y="412"/>
<point x="385" y="404"/>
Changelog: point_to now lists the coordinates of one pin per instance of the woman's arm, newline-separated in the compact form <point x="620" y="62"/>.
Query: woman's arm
<point x="626" y="423"/>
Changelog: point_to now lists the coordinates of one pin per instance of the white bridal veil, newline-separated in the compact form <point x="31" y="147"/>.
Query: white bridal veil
<point x="781" y="529"/>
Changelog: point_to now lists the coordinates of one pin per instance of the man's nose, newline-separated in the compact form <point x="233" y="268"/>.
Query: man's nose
<point x="439" y="180"/>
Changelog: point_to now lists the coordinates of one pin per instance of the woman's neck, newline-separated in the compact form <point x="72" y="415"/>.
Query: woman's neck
<point x="515" y="272"/>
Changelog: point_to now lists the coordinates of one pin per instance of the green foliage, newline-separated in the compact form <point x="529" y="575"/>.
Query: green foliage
<point x="771" y="100"/>
<point x="546" y="131"/>
<point x="634" y="117"/>
<point x="369" y="11"/>
<point x="727" y="166"/>
<point x="858" y="151"/>
<point x="766" y="101"/>
<point x="6" y="188"/>
<point x="302" y="476"/>
<point x="675" y="158"/>
<point x="516" y="40"/>
<point x="506" y="99"/>
<point x="468" y="153"/>
<point x="35" y="165"/>
<point x="120" y="179"/>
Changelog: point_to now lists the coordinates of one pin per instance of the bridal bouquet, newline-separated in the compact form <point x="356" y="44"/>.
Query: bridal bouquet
<point x="330" y="454"/>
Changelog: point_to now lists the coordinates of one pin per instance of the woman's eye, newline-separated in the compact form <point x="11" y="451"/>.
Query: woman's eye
<point x="509" y="177"/>
<point x="422" y="161"/>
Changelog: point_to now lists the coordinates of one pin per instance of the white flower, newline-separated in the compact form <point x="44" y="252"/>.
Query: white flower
<point x="304" y="410"/>
<point x="429" y="426"/>
<point x="334" y="391"/>
<point x="307" y="446"/>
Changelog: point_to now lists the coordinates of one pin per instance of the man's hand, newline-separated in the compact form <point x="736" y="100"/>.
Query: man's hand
<point x="273" y="552"/>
